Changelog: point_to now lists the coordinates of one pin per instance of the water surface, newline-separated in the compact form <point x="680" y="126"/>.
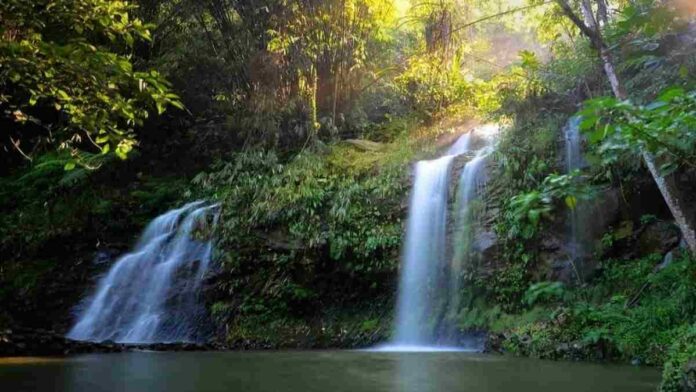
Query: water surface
<point x="309" y="371"/>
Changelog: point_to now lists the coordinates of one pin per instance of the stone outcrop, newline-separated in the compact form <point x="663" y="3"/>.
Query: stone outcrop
<point x="20" y="341"/>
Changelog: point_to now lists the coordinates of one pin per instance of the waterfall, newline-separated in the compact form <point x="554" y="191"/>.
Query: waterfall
<point x="472" y="183"/>
<point x="152" y="293"/>
<point x="461" y="146"/>
<point x="424" y="253"/>
<point x="573" y="154"/>
<point x="574" y="161"/>
<point x="429" y="282"/>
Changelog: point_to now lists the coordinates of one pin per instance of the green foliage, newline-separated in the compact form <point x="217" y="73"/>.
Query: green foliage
<point x="680" y="353"/>
<point x="525" y="156"/>
<point x="643" y="28"/>
<point x="573" y="66"/>
<point x="430" y="86"/>
<point x="663" y="128"/>
<point x="507" y="92"/>
<point x="71" y="57"/>
<point x="361" y="325"/>
<point x="631" y="312"/>
<point x="319" y="216"/>
<point x="622" y="232"/>
<point x="534" y="340"/>
<point x="59" y="204"/>
<point x="526" y="152"/>
<point x="526" y="210"/>
<point x="543" y="292"/>
<point x="510" y="283"/>
<point x="481" y="316"/>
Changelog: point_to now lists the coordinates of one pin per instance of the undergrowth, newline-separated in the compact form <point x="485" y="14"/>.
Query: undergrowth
<point x="316" y="230"/>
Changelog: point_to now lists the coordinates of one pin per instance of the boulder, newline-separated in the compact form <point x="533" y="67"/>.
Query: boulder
<point x="486" y="243"/>
<point x="19" y="341"/>
<point x="598" y="214"/>
<point x="658" y="237"/>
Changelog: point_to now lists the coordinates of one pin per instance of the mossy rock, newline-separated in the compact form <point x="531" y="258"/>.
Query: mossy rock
<point x="658" y="237"/>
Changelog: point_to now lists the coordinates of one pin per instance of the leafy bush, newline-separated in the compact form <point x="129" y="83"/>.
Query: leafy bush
<point x="543" y="292"/>
<point x="680" y="353"/>
<point x="430" y="87"/>
<point x="664" y="127"/>
<point x="81" y="203"/>
<point x="328" y="223"/>
<point x="525" y="211"/>
<point x="631" y="312"/>
<point x="70" y="57"/>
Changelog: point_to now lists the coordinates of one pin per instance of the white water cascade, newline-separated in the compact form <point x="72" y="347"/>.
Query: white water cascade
<point x="424" y="253"/>
<point x="428" y="287"/>
<point x="472" y="183"/>
<point x="152" y="293"/>
<point x="574" y="161"/>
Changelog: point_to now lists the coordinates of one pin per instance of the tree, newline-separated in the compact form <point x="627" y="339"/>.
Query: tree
<point x="67" y="79"/>
<point x="591" y="25"/>
<point x="326" y="46"/>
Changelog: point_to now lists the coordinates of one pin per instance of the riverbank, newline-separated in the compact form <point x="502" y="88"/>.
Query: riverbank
<point x="24" y="342"/>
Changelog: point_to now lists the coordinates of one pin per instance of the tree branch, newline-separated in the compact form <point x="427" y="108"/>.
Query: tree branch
<point x="595" y="40"/>
<point x="512" y="11"/>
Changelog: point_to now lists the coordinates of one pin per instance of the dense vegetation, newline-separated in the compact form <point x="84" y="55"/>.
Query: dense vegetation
<point x="303" y="117"/>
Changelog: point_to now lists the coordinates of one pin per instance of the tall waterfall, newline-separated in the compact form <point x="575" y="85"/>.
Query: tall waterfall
<point x="424" y="253"/>
<point x="429" y="288"/>
<point x="152" y="293"/>
<point x="574" y="160"/>
<point x="472" y="183"/>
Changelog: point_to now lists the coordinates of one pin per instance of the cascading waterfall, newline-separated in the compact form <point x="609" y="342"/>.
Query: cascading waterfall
<point x="152" y="293"/>
<point x="429" y="280"/>
<point x="574" y="161"/>
<point x="573" y="152"/>
<point x="424" y="253"/>
<point x="472" y="183"/>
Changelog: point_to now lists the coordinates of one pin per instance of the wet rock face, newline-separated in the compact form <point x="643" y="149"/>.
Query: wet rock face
<point x="658" y="237"/>
<point x="600" y="213"/>
<point x="576" y="262"/>
<point x="20" y="341"/>
<point x="25" y="341"/>
<point x="609" y="213"/>
<point x="486" y="244"/>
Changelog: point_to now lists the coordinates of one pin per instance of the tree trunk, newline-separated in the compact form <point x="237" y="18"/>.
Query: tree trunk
<point x="602" y="14"/>
<point x="674" y="200"/>
<point x="608" y="64"/>
<point x="590" y="21"/>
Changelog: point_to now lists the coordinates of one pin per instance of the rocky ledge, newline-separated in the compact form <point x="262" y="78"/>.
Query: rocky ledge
<point x="21" y="341"/>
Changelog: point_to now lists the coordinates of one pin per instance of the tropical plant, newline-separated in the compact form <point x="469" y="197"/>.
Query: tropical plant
<point x="542" y="292"/>
<point x="68" y="80"/>
<point x="664" y="128"/>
